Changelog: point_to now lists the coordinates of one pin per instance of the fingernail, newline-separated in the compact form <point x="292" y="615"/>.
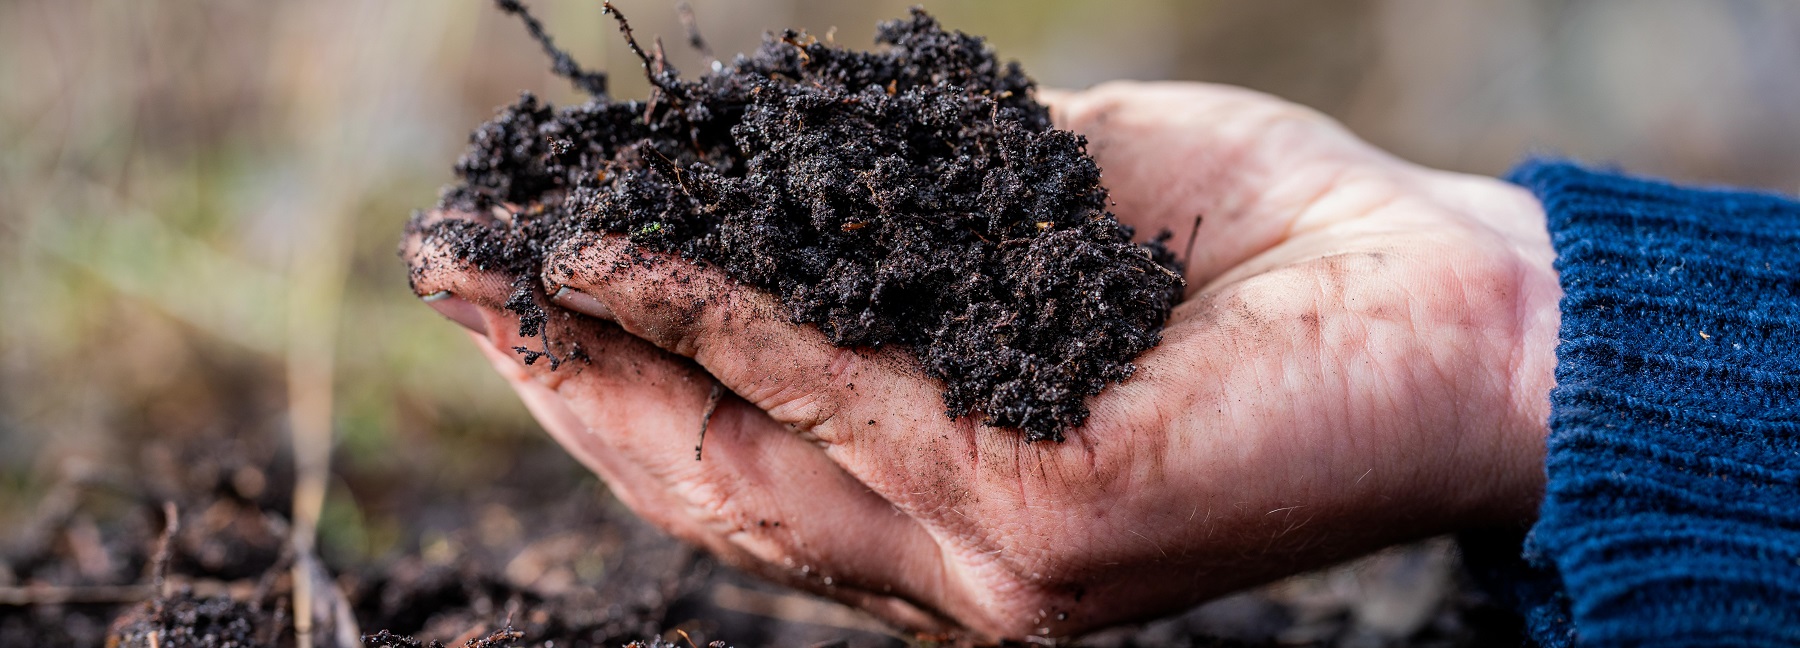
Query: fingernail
<point x="581" y="302"/>
<point x="457" y="310"/>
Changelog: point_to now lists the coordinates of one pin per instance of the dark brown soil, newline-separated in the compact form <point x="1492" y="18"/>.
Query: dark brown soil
<point x="186" y="621"/>
<point x="915" y="195"/>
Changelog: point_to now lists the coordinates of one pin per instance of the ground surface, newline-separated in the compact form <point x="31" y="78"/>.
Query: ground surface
<point x="531" y="539"/>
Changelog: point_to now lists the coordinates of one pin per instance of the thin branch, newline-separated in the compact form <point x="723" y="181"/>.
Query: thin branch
<point x="1163" y="269"/>
<point x="688" y="22"/>
<point x="651" y="70"/>
<point x="165" y="549"/>
<point x="593" y="83"/>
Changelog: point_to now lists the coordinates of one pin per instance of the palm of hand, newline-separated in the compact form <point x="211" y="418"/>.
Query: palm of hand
<point x="1364" y="357"/>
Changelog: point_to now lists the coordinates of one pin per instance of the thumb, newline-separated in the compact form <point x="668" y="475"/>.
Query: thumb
<point x="1230" y="171"/>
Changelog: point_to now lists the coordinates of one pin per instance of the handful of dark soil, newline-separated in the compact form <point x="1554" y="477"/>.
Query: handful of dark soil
<point x="916" y="195"/>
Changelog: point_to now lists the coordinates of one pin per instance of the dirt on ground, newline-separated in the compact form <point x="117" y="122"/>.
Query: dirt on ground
<point x="522" y="548"/>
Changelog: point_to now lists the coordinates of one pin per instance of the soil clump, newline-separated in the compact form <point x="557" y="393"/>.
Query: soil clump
<point x="916" y="195"/>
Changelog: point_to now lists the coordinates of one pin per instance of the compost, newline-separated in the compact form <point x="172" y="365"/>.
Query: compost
<point x="915" y="195"/>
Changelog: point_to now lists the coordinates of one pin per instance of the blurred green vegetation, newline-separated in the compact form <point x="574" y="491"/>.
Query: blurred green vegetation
<point x="198" y="195"/>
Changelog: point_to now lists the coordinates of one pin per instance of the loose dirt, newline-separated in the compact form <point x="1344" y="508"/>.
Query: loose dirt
<point x="916" y="195"/>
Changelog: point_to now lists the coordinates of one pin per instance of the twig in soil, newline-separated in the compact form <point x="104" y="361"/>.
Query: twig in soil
<point x="662" y="58"/>
<point x="793" y="38"/>
<point x="316" y="280"/>
<point x="651" y="71"/>
<point x="666" y="166"/>
<point x="265" y="586"/>
<point x="686" y="12"/>
<point x="593" y="83"/>
<point x="1182" y="281"/>
<point x="470" y="636"/>
<point x="159" y="565"/>
<point x="159" y="572"/>
<point x="500" y="639"/>
<point x="712" y="405"/>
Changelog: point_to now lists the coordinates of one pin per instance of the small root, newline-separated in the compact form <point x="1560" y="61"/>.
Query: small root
<point x="712" y="405"/>
<point x="593" y="83"/>
<point x="686" y="12"/>
<point x="159" y="565"/>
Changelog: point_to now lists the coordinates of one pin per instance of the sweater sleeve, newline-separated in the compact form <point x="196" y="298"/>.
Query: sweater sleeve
<point x="1671" y="514"/>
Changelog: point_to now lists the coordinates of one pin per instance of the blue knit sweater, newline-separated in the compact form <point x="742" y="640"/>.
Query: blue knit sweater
<point x="1672" y="511"/>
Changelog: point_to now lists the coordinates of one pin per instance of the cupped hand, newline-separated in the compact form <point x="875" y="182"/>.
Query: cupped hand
<point x="1363" y="357"/>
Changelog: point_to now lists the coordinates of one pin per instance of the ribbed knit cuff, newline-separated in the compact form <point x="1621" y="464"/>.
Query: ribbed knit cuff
<point x="1672" y="511"/>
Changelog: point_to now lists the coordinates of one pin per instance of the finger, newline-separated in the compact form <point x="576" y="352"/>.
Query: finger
<point x="626" y="480"/>
<point x="1231" y="172"/>
<point x="452" y="285"/>
<point x="877" y="414"/>
<point x="661" y="506"/>
<point x="881" y="422"/>
<point x="770" y="503"/>
<point x="428" y="245"/>
<point x="739" y="334"/>
<point x="759" y="497"/>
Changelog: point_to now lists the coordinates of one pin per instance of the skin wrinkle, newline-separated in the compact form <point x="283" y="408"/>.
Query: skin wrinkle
<point x="1009" y="568"/>
<point x="1530" y="402"/>
<point x="1356" y="338"/>
<point x="1478" y="337"/>
<point x="1483" y="287"/>
<point x="817" y="409"/>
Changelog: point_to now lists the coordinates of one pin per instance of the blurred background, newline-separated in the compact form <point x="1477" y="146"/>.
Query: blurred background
<point x="200" y="199"/>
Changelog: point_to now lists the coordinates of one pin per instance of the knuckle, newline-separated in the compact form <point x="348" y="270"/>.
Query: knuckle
<point x="1020" y="613"/>
<point x="718" y="506"/>
<point x="1116" y="91"/>
<point x="812" y="409"/>
<point x="714" y="505"/>
<point x="1091" y="110"/>
<point x="1020" y="591"/>
<point x="577" y="260"/>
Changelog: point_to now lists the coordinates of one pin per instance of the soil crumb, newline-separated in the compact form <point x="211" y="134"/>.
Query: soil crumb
<point x="187" y="621"/>
<point x="915" y="195"/>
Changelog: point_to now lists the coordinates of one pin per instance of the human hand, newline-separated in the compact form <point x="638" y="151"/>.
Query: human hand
<point x="1364" y="357"/>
